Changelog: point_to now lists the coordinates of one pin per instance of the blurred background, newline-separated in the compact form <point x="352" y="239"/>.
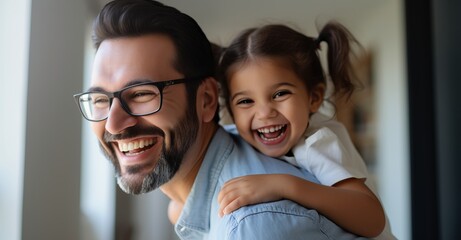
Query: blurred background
<point x="55" y="183"/>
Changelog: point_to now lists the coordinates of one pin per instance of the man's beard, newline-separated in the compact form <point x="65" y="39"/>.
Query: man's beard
<point x="182" y="137"/>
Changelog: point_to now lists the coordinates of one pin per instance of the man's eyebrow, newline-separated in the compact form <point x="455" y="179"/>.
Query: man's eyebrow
<point x="130" y="83"/>
<point x="137" y="81"/>
<point x="95" y="89"/>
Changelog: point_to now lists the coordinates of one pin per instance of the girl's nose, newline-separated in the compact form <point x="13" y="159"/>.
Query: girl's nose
<point x="266" y="111"/>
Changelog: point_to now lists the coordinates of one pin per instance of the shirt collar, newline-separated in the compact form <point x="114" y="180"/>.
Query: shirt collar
<point x="195" y="216"/>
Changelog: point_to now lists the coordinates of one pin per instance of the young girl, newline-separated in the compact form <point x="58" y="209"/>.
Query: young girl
<point x="273" y="85"/>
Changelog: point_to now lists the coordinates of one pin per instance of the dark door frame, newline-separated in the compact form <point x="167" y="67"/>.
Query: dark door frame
<point x="422" y="135"/>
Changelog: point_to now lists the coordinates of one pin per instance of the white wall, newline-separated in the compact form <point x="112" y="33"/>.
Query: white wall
<point x="154" y="223"/>
<point x="52" y="146"/>
<point x="97" y="199"/>
<point x="14" y="46"/>
<point x="41" y="63"/>
<point x="383" y="34"/>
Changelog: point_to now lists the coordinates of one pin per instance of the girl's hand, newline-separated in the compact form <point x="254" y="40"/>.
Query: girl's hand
<point x="247" y="190"/>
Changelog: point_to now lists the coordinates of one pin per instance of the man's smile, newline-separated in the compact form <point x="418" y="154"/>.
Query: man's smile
<point x="138" y="150"/>
<point x="136" y="146"/>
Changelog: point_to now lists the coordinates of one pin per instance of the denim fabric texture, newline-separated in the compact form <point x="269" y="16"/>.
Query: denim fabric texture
<point x="229" y="156"/>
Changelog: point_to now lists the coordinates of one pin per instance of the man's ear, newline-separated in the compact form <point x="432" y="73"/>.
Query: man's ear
<point x="207" y="96"/>
<point x="316" y="97"/>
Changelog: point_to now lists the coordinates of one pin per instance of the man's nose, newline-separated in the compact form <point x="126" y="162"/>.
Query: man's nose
<point x="118" y="119"/>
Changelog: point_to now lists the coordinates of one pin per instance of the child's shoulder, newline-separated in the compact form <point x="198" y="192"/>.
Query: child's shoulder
<point x="231" y="128"/>
<point x="321" y="121"/>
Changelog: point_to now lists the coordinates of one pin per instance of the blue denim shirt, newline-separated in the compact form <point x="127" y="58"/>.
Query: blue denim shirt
<point x="229" y="156"/>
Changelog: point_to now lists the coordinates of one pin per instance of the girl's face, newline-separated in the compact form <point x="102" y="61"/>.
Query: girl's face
<point x="271" y="105"/>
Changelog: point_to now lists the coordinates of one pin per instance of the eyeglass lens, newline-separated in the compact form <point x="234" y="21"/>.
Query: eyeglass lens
<point x="137" y="100"/>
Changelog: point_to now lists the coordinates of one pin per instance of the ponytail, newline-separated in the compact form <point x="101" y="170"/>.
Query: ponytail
<point x="340" y="42"/>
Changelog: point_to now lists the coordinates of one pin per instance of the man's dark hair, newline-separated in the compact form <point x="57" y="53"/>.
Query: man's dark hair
<point x="131" y="18"/>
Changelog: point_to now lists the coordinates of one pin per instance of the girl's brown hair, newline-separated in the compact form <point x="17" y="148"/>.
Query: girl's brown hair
<point x="298" y="51"/>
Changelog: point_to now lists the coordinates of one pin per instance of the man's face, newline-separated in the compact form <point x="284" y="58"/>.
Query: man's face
<point x="145" y="151"/>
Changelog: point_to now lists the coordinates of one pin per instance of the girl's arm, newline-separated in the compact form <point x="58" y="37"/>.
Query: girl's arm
<point x="348" y="203"/>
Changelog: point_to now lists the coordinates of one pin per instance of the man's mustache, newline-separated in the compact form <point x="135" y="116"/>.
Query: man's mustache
<point x="132" y="132"/>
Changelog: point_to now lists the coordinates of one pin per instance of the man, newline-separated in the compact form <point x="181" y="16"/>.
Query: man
<point x="153" y="105"/>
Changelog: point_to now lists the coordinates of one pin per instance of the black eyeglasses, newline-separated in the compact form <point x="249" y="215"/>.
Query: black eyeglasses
<point x="137" y="100"/>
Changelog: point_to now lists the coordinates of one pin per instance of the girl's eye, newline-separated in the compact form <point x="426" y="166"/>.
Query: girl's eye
<point x="281" y="93"/>
<point x="244" y="101"/>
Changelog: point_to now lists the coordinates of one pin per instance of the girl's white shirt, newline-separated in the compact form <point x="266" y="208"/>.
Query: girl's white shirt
<point x="328" y="152"/>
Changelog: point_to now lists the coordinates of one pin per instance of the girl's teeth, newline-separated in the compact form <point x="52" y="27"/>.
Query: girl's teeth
<point x="271" y="139"/>
<point x="271" y="129"/>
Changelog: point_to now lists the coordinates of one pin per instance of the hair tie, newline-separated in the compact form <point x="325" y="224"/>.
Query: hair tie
<point x="317" y="42"/>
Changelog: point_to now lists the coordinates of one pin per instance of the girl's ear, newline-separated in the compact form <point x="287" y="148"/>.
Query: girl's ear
<point x="207" y="96"/>
<point x="316" y="97"/>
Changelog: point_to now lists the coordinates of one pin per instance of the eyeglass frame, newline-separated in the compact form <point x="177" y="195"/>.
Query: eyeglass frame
<point x="118" y="94"/>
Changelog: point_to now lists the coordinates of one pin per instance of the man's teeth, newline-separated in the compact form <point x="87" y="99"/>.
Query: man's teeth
<point x="271" y="129"/>
<point x="126" y="147"/>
